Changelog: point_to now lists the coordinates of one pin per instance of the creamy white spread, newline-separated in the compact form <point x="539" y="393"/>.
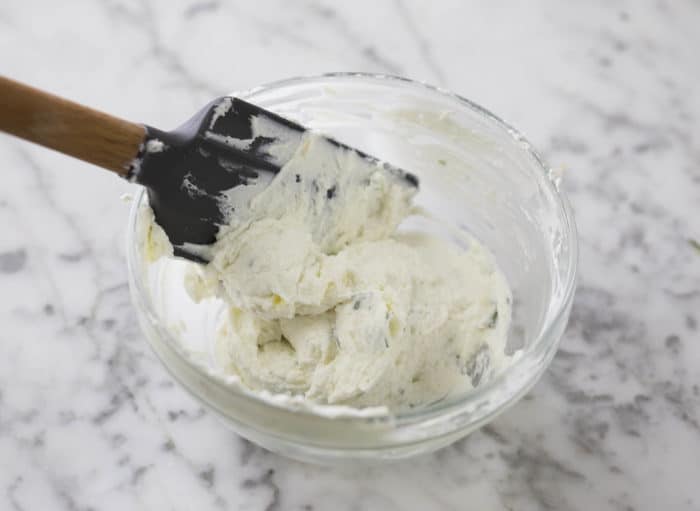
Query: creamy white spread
<point x="328" y="301"/>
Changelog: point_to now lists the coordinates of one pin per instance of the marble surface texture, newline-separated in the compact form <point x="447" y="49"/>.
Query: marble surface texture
<point x="607" y="90"/>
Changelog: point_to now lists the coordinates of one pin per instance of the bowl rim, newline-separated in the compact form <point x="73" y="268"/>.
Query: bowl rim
<point x="544" y="345"/>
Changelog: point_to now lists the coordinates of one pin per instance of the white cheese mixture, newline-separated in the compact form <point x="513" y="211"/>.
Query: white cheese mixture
<point x="328" y="301"/>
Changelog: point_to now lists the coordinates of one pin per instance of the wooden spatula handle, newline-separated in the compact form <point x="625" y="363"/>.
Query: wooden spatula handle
<point x="68" y="127"/>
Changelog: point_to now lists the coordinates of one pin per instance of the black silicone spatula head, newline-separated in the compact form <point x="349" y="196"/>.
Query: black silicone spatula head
<point x="228" y="143"/>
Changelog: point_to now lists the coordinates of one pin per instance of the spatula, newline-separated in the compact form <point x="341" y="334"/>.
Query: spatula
<point x="227" y="143"/>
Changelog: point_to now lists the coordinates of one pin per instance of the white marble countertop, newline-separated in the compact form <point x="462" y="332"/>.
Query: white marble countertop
<point x="607" y="90"/>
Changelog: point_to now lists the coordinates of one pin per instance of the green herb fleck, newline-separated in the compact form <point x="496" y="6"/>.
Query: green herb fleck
<point x="477" y="366"/>
<point x="493" y="320"/>
<point x="695" y="244"/>
<point x="442" y="162"/>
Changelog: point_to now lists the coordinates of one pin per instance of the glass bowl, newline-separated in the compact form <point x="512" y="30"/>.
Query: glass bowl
<point x="478" y="176"/>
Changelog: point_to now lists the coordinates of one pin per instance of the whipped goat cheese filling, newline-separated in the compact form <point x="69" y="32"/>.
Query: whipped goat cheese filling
<point x="327" y="300"/>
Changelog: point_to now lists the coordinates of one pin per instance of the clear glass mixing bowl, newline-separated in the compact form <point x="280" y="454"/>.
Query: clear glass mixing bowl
<point x="477" y="175"/>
